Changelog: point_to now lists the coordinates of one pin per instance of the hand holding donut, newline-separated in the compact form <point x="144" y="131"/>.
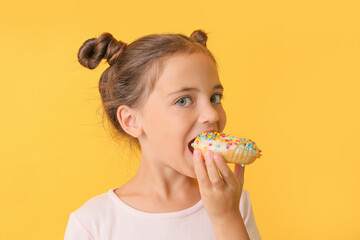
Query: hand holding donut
<point x="220" y="188"/>
<point x="220" y="193"/>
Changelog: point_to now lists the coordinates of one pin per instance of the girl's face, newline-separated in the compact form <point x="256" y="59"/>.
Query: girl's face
<point x="186" y="101"/>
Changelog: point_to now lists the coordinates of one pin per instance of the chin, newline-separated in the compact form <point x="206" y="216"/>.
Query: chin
<point x="190" y="173"/>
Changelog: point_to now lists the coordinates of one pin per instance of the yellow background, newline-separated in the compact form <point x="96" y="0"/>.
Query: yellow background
<point x="291" y="76"/>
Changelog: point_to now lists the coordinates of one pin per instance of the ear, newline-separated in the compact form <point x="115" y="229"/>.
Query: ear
<point x="127" y="118"/>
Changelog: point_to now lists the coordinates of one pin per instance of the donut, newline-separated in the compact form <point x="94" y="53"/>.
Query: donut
<point x="234" y="150"/>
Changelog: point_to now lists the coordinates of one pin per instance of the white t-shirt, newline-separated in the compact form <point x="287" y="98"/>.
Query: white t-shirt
<point x="107" y="217"/>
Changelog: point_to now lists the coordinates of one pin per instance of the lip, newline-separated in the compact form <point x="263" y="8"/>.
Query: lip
<point x="193" y="139"/>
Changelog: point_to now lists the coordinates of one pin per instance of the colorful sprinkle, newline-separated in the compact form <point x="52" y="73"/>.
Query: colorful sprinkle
<point x="247" y="144"/>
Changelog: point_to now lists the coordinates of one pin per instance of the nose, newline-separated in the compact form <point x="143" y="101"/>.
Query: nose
<point x="208" y="114"/>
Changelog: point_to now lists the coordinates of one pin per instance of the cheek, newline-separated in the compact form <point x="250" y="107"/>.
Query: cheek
<point x="163" y="125"/>
<point x="155" y="123"/>
<point x="222" y="120"/>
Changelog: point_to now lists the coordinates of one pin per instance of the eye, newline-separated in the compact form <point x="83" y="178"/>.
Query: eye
<point x="218" y="97"/>
<point x="182" y="101"/>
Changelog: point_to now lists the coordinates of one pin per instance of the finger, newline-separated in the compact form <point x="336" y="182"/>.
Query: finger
<point x="213" y="173"/>
<point x="224" y="169"/>
<point x="200" y="171"/>
<point x="239" y="171"/>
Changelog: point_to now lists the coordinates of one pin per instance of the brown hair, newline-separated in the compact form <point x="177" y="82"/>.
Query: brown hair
<point x="134" y="69"/>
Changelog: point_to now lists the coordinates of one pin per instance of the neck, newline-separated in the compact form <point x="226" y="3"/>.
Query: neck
<point x="163" y="182"/>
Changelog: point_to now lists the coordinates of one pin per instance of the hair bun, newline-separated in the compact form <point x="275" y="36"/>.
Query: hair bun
<point x="95" y="49"/>
<point x="199" y="36"/>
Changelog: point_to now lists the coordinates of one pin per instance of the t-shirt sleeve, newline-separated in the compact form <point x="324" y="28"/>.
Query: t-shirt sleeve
<point x="248" y="216"/>
<point x="75" y="230"/>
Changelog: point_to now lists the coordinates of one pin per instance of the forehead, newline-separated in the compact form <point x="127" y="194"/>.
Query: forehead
<point x="185" y="71"/>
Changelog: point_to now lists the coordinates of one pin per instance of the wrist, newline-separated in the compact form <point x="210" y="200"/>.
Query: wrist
<point x="230" y="217"/>
<point x="230" y="226"/>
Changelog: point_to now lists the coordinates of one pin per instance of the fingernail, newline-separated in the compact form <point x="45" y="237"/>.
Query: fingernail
<point x="216" y="156"/>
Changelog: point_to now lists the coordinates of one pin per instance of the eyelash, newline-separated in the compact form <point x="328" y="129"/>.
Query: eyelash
<point x="219" y="94"/>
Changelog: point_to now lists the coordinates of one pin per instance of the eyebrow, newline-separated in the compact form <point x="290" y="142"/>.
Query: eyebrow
<point x="187" y="89"/>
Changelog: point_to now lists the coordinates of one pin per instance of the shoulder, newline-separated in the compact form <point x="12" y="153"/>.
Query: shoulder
<point x="245" y="197"/>
<point x="85" y="222"/>
<point x="247" y="213"/>
<point x="95" y="206"/>
<point x="245" y="204"/>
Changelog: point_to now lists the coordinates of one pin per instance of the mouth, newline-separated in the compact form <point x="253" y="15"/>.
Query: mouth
<point x="190" y="147"/>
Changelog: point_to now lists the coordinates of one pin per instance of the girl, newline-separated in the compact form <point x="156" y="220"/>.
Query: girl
<point x="160" y="92"/>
